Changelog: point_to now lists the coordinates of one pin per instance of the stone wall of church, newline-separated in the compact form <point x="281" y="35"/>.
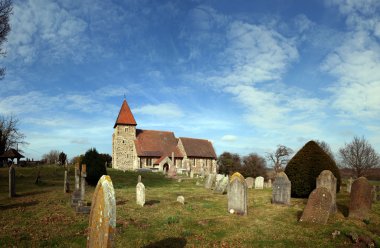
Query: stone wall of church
<point x="124" y="155"/>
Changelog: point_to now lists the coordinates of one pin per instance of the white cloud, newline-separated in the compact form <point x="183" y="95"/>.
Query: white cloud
<point x="164" y="110"/>
<point x="303" y="23"/>
<point x="229" y="138"/>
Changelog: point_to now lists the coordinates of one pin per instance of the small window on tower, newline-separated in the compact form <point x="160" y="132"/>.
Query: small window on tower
<point x="126" y="129"/>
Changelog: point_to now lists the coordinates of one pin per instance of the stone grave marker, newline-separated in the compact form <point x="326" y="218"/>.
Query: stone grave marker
<point x="139" y="179"/>
<point x="237" y="194"/>
<point x="140" y="194"/>
<point x="75" y="197"/>
<point x="181" y="199"/>
<point x="102" y="223"/>
<point x="269" y="183"/>
<point x="250" y="182"/>
<point x="361" y="200"/>
<point x="210" y="181"/>
<point x="202" y="172"/>
<point x="377" y="193"/>
<point x="191" y="174"/>
<point x="12" y="181"/>
<point x="82" y="204"/>
<point x="259" y="182"/>
<point x="327" y="179"/>
<point x="66" y="183"/>
<point x="349" y="183"/>
<point x="374" y="194"/>
<point x="318" y="207"/>
<point x="221" y="187"/>
<point x="172" y="172"/>
<point x="281" y="189"/>
<point x="218" y="179"/>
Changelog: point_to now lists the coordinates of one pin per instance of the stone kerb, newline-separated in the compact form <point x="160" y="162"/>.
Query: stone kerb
<point x="250" y="182"/>
<point x="281" y="189"/>
<point x="259" y="182"/>
<point x="140" y="194"/>
<point x="327" y="179"/>
<point x="102" y="223"/>
<point x="318" y="206"/>
<point x="237" y="194"/>
<point x="361" y="200"/>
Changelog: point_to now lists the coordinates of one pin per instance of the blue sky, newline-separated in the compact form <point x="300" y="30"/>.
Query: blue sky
<point x="247" y="75"/>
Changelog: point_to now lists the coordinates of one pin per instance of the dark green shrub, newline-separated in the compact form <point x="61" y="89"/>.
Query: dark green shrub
<point x="304" y="168"/>
<point x="95" y="164"/>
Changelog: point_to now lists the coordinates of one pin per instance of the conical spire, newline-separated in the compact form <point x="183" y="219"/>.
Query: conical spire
<point x="125" y="116"/>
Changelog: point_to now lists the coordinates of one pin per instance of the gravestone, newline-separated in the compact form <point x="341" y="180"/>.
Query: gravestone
<point x="318" y="207"/>
<point x="269" y="183"/>
<point x="75" y="197"/>
<point x="12" y="181"/>
<point x="327" y="179"/>
<point x="102" y="223"/>
<point x="281" y="189"/>
<point x="140" y="194"/>
<point x="191" y="174"/>
<point x="66" y="184"/>
<point x="210" y="181"/>
<point x="250" y="182"/>
<point x="237" y="194"/>
<point x="82" y="204"/>
<point x="221" y="187"/>
<point x="181" y="199"/>
<point x="377" y="193"/>
<point x="374" y="193"/>
<point x="172" y="172"/>
<point x="202" y="172"/>
<point x="218" y="179"/>
<point x="259" y="182"/>
<point x="349" y="183"/>
<point x="139" y="179"/>
<point x="361" y="200"/>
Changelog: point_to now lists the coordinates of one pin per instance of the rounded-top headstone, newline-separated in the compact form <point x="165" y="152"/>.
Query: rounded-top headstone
<point x="237" y="176"/>
<point x="318" y="205"/>
<point x="327" y="179"/>
<point x="361" y="201"/>
<point x="102" y="224"/>
<point x="281" y="189"/>
<point x="237" y="194"/>
<point x="259" y="182"/>
<point x="250" y="182"/>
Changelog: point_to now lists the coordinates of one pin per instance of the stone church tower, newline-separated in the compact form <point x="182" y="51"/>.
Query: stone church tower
<point x="124" y="156"/>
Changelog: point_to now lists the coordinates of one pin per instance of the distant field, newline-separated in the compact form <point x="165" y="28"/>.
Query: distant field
<point x="41" y="216"/>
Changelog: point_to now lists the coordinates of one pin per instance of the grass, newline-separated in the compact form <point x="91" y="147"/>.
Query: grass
<point x="41" y="216"/>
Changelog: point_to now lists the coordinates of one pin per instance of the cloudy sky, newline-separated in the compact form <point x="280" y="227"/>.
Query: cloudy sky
<point x="247" y="75"/>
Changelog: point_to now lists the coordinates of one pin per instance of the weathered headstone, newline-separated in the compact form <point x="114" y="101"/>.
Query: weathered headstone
<point x="318" y="206"/>
<point x="218" y="179"/>
<point x="378" y="192"/>
<point x="172" y="172"/>
<point x="140" y="194"/>
<point x="327" y="179"/>
<point x="82" y="204"/>
<point x="250" y="182"/>
<point x="269" y="183"/>
<point x="202" y="172"/>
<point x="349" y="183"/>
<point x="361" y="200"/>
<point x="102" y="224"/>
<point x="75" y="197"/>
<point x="181" y="199"/>
<point x="374" y="193"/>
<point x="191" y="174"/>
<point x="66" y="183"/>
<point x="12" y="181"/>
<point x="281" y="189"/>
<point x="139" y="179"/>
<point x="259" y="182"/>
<point x="210" y="181"/>
<point x="237" y="194"/>
<point x="221" y="187"/>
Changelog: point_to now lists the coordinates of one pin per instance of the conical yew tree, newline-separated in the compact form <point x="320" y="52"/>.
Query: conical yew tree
<point x="304" y="168"/>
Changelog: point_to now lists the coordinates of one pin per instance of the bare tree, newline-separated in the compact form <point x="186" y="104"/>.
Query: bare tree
<point x="5" y="12"/>
<point x="359" y="155"/>
<point x="10" y="135"/>
<point x="52" y="157"/>
<point x="280" y="157"/>
<point x="326" y="147"/>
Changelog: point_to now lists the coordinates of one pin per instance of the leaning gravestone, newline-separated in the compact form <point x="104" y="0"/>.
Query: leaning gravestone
<point x="269" y="183"/>
<point x="259" y="182"/>
<point x="250" y="182"/>
<point x="281" y="189"/>
<point x="210" y="181"/>
<point x="237" y="194"/>
<point x="102" y="224"/>
<point x="349" y="183"/>
<point x="12" y="181"/>
<point x="327" y="179"/>
<point x="172" y="171"/>
<point x="82" y="204"/>
<point x="318" y="207"/>
<point x="361" y="201"/>
<point x="221" y="187"/>
<point x="140" y="194"/>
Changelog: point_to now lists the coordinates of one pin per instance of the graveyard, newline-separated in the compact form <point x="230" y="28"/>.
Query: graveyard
<point x="41" y="215"/>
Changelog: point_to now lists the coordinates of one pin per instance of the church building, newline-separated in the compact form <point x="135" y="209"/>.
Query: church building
<point x="134" y="148"/>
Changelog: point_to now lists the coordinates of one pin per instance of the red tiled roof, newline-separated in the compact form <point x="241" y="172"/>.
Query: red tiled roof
<point x="125" y="116"/>
<point x="198" y="148"/>
<point x="151" y="143"/>
<point x="11" y="153"/>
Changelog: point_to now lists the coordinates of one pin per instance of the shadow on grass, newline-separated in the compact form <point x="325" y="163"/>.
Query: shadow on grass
<point x="168" y="242"/>
<point x="31" y="193"/>
<point x="17" y="205"/>
<point x="343" y="209"/>
<point x="121" y="202"/>
<point x="299" y="215"/>
<point x="151" y="202"/>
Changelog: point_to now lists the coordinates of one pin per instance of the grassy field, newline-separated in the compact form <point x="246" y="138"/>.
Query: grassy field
<point x="41" y="216"/>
